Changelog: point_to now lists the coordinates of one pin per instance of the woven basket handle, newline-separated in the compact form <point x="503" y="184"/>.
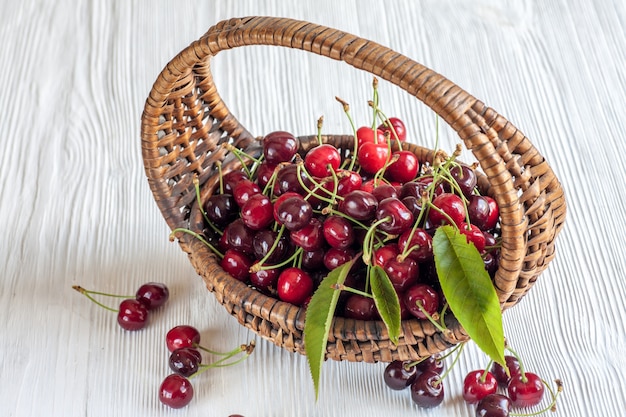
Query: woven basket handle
<point x="519" y="178"/>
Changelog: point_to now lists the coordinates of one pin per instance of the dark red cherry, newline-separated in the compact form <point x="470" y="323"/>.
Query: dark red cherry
<point x="359" y="205"/>
<point x="385" y="253"/>
<point x="334" y="257"/>
<point x="264" y="173"/>
<point x="279" y="147"/>
<point x="132" y="315"/>
<point x="465" y="177"/>
<point x="294" y="286"/>
<point x="478" y="211"/>
<point x="264" y="241"/>
<point x="525" y="390"/>
<point x="500" y="374"/>
<point x="185" y="361"/>
<point x="239" y="236"/>
<point x="451" y="205"/>
<point x="424" y="294"/>
<point x="494" y="213"/>
<point x="237" y="264"/>
<point x="494" y="405"/>
<point x="221" y="209"/>
<point x="398" y="217"/>
<point x="402" y="274"/>
<point x="265" y="278"/>
<point x="432" y="363"/>
<point x="418" y="244"/>
<point x="231" y="179"/>
<point x="359" y="307"/>
<point x="257" y="212"/>
<point x="244" y="190"/>
<point x="176" y="391"/>
<point x="399" y="374"/>
<point x="287" y="180"/>
<point x="294" y="213"/>
<point x="395" y="127"/>
<point x="338" y="232"/>
<point x="427" y="390"/>
<point x="313" y="260"/>
<point x="310" y="237"/>
<point x="182" y="336"/>
<point x="322" y="160"/>
<point x="152" y="295"/>
<point x="384" y="191"/>
<point x="477" y="385"/>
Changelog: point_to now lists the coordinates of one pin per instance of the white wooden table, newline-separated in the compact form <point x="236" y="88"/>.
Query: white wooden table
<point x="76" y="208"/>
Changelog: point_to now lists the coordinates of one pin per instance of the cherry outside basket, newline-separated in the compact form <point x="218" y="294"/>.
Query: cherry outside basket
<point x="185" y="123"/>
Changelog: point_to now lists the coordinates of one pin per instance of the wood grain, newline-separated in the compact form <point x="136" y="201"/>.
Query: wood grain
<point x="76" y="208"/>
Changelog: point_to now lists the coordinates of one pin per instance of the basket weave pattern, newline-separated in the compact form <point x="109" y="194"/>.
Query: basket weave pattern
<point x="185" y="122"/>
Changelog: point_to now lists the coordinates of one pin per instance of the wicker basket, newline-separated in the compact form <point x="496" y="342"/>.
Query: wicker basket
<point x="185" y="122"/>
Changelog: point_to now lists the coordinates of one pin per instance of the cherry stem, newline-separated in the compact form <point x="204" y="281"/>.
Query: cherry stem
<point x="521" y="364"/>
<point x="239" y="154"/>
<point x="274" y="245"/>
<point x="197" y="236"/>
<point x="458" y="350"/>
<point x="259" y="267"/>
<point x="431" y="318"/>
<point x="483" y="377"/>
<point x="375" y="101"/>
<point x="342" y="287"/>
<point x="88" y="293"/>
<point x="368" y="239"/>
<point x="221" y="177"/>
<point x="346" y="110"/>
<point x="549" y="407"/>
<point x="320" y="123"/>
<point x="243" y="349"/>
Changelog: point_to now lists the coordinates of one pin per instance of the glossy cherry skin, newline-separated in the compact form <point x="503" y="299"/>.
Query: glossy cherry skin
<point x="395" y="127"/>
<point x="264" y="241"/>
<point x="294" y="213"/>
<point x="419" y="244"/>
<point x="404" y="169"/>
<point x="182" y="336"/>
<point x="287" y="180"/>
<point x="309" y="237"/>
<point x="494" y="213"/>
<point x="313" y="260"/>
<point x="399" y="374"/>
<point x="384" y="191"/>
<point x="221" y="209"/>
<point x="373" y="156"/>
<point x="334" y="257"/>
<point x="402" y="274"/>
<point x="348" y="181"/>
<point x="500" y="374"/>
<point x="257" y="212"/>
<point x="452" y="205"/>
<point x="318" y="160"/>
<point x="365" y="134"/>
<point x="385" y="253"/>
<point x="265" y="278"/>
<point x="427" y="390"/>
<point x="152" y="295"/>
<point x="231" y="179"/>
<point x="244" y="190"/>
<point x="473" y="235"/>
<point x="132" y="315"/>
<point x="465" y="177"/>
<point x="264" y="173"/>
<point x="433" y="363"/>
<point x="237" y="264"/>
<point x="478" y="211"/>
<point x="494" y="405"/>
<point x="426" y="295"/>
<point x="525" y="390"/>
<point x="185" y="361"/>
<point x="475" y="388"/>
<point x="359" y="205"/>
<point x="238" y="236"/>
<point x="338" y="232"/>
<point x="279" y="147"/>
<point x="294" y="286"/>
<point x="399" y="218"/>
<point x="359" y="307"/>
<point x="176" y="391"/>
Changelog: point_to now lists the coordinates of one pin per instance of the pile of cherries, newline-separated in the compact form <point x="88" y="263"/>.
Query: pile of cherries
<point x="282" y="223"/>
<point x="480" y="387"/>
<point x="183" y="342"/>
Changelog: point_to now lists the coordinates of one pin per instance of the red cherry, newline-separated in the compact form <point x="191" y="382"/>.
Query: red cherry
<point x="424" y="294"/>
<point x="294" y="286"/>
<point x="237" y="264"/>
<point x="181" y="337"/>
<point x="473" y="235"/>
<point x="373" y="156"/>
<point x="359" y="307"/>
<point x="244" y="190"/>
<point x="394" y="124"/>
<point x="450" y="204"/>
<point x="365" y="134"/>
<point x="152" y="295"/>
<point x="402" y="274"/>
<point x="132" y="315"/>
<point x="399" y="218"/>
<point x="279" y="147"/>
<point x="309" y="237"/>
<point x="348" y="181"/>
<point x="338" y="232"/>
<point x="477" y="385"/>
<point x="499" y="372"/>
<point x="385" y="253"/>
<point x="404" y="169"/>
<point x="420" y="244"/>
<point x="318" y="159"/>
<point x="494" y="213"/>
<point x="525" y="390"/>
<point x="257" y="212"/>
<point x="176" y="391"/>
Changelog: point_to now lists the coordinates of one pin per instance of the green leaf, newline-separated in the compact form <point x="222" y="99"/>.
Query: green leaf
<point x="319" y="317"/>
<point x="469" y="290"/>
<point x="386" y="300"/>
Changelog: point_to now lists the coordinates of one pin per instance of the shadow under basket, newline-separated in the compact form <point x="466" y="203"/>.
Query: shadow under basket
<point x="185" y="125"/>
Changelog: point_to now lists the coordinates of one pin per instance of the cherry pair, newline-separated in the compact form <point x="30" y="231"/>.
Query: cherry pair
<point x="132" y="313"/>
